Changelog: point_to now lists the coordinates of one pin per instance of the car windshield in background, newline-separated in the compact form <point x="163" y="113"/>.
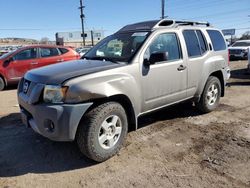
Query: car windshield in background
<point x="238" y="44"/>
<point x="119" y="47"/>
<point x="7" y="54"/>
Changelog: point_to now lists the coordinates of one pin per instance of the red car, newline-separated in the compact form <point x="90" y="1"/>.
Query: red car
<point x="15" y="64"/>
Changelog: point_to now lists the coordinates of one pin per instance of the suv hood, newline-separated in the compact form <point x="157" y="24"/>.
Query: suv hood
<point x="58" y="73"/>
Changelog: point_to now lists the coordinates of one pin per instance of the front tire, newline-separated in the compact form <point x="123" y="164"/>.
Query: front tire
<point x="102" y="131"/>
<point x="2" y="84"/>
<point x="211" y="95"/>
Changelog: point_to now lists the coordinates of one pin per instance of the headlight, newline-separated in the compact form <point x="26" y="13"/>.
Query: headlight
<point x="54" y="94"/>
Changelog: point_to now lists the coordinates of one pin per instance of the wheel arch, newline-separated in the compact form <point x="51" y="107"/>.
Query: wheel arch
<point x="219" y="75"/>
<point x="4" y="79"/>
<point x="126" y="104"/>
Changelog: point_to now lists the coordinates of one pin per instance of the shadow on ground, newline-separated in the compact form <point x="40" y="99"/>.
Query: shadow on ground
<point x="240" y="77"/>
<point x="22" y="151"/>
<point x="11" y="87"/>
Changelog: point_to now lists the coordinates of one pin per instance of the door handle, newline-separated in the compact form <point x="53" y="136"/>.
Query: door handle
<point x="34" y="63"/>
<point x="181" y="68"/>
<point x="60" y="60"/>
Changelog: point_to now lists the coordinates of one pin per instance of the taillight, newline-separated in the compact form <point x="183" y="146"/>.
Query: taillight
<point x="228" y="61"/>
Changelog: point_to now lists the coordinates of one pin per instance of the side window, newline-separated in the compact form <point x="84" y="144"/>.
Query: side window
<point x="49" y="52"/>
<point x="26" y="54"/>
<point x="165" y="43"/>
<point x="202" y="41"/>
<point x="217" y="40"/>
<point x="192" y="43"/>
<point x="63" y="50"/>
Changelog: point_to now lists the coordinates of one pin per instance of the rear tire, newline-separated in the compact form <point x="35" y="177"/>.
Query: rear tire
<point x="102" y="131"/>
<point x="2" y="84"/>
<point x="211" y="95"/>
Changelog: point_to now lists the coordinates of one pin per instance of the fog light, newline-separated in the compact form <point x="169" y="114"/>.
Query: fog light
<point x="49" y="125"/>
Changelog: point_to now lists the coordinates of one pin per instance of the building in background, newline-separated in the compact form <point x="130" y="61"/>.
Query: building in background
<point x="75" y="39"/>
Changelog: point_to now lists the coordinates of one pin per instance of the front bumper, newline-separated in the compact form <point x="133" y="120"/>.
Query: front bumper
<point x="226" y="74"/>
<point x="56" y="122"/>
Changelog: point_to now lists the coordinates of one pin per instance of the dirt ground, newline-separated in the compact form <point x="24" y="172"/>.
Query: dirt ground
<point x="175" y="147"/>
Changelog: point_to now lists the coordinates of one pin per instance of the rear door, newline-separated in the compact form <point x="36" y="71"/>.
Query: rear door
<point x="48" y="56"/>
<point x="21" y="63"/>
<point x="197" y="54"/>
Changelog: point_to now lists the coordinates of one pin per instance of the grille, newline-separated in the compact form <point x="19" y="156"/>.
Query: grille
<point x="27" y="87"/>
<point x="232" y="52"/>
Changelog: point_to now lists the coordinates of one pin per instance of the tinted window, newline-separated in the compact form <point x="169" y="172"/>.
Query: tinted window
<point x="239" y="44"/>
<point x="217" y="40"/>
<point x="192" y="43"/>
<point x="48" y="52"/>
<point x="165" y="43"/>
<point x="202" y="40"/>
<point x="26" y="54"/>
<point x="63" y="50"/>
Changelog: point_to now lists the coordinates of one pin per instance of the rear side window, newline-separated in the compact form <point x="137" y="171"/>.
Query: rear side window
<point x="63" y="50"/>
<point x="49" y="52"/>
<point x="192" y="43"/>
<point x="217" y="40"/>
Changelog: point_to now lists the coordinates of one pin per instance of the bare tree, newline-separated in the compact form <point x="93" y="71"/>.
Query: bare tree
<point x="245" y="35"/>
<point x="44" y="40"/>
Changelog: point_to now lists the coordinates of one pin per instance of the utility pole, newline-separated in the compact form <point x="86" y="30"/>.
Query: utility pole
<point x="82" y="21"/>
<point x="162" y="9"/>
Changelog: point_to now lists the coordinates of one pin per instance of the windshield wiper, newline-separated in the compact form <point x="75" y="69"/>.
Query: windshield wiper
<point x="101" y="58"/>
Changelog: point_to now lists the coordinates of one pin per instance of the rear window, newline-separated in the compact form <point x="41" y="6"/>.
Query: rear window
<point x="63" y="50"/>
<point x="217" y="40"/>
<point x="241" y="44"/>
<point x="192" y="43"/>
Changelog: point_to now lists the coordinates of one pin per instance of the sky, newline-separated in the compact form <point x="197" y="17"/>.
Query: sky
<point x="36" y="19"/>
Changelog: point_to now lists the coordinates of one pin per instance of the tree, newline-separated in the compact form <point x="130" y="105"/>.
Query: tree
<point x="44" y="40"/>
<point x="245" y="35"/>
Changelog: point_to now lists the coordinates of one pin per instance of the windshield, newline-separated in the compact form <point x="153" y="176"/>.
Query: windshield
<point x="241" y="44"/>
<point x="119" y="47"/>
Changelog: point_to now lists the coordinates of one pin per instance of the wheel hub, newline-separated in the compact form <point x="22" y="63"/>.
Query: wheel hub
<point x="110" y="132"/>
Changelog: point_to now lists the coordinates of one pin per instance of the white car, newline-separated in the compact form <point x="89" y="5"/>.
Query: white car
<point x="239" y="50"/>
<point x="82" y="50"/>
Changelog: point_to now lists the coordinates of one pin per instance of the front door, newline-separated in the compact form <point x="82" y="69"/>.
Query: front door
<point x="164" y="82"/>
<point x="21" y="62"/>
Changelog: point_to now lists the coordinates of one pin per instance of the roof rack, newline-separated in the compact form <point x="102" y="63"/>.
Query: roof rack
<point x="154" y="24"/>
<point x="176" y="23"/>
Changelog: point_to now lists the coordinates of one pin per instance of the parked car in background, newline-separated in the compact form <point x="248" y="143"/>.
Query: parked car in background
<point x="15" y="64"/>
<point x="2" y="52"/>
<point x="83" y="50"/>
<point x="239" y="50"/>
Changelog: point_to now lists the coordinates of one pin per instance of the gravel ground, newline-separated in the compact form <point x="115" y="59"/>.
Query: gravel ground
<point x="175" y="147"/>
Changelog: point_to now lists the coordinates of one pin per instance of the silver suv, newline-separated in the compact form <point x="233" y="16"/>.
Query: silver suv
<point x="141" y="68"/>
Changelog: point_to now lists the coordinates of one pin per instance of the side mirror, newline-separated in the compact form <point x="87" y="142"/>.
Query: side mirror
<point x="7" y="62"/>
<point x="158" y="57"/>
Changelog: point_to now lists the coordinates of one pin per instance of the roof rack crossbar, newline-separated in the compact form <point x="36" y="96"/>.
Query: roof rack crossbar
<point x="176" y="23"/>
